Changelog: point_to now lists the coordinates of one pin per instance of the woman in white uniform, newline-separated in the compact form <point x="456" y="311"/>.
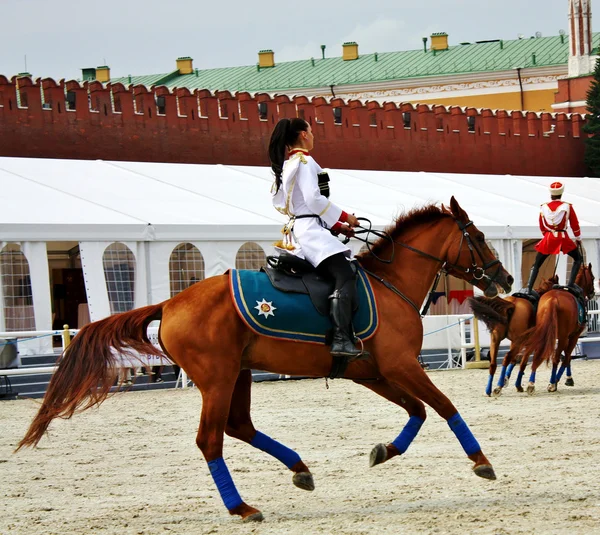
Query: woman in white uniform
<point x="313" y="218"/>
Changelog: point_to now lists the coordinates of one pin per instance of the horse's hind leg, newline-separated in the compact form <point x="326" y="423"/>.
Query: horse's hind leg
<point x="216" y="400"/>
<point x="553" y="385"/>
<point x="494" y="345"/>
<point x="416" y="411"/>
<point x="519" y="380"/>
<point x="566" y="363"/>
<point x="414" y="379"/>
<point x="505" y="371"/>
<point x="240" y="426"/>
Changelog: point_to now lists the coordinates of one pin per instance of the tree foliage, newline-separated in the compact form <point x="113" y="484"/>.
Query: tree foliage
<point x="592" y="126"/>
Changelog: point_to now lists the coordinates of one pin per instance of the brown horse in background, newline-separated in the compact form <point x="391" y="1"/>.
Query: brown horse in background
<point x="557" y="318"/>
<point x="507" y="317"/>
<point x="201" y="332"/>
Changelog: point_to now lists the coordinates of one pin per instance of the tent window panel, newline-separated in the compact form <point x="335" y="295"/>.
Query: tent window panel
<point x="186" y="267"/>
<point x="250" y="256"/>
<point x="119" y="273"/>
<point x="16" y="288"/>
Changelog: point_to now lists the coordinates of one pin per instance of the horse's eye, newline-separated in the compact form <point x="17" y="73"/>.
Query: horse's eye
<point x="480" y="238"/>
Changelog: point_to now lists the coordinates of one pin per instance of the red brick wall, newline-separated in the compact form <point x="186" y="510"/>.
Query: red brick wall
<point x="118" y="123"/>
<point x="573" y="90"/>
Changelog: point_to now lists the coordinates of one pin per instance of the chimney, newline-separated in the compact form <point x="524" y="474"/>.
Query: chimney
<point x="350" y="51"/>
<point x="185" y="65"/>
<point x="439" y="41"/>
<point x="266" y="59"/>
<point x="103" y="74"/>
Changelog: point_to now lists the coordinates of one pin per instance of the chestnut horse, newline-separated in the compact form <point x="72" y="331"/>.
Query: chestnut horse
<point x="506" y="318"/>
<point x="557" y="318"/>
<point x="202" y="333"/>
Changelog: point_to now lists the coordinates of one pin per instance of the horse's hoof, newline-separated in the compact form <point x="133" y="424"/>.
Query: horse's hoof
<point x="248" y="514"/>
<point x="519" y="388"/>
<point x="552" y="388"/>
<point x="304" y="481"/>
<point x="569" y="382"/>
<point x="378" y="455"/>
<point x="531" y="390"/>
<point x="254" y="517"/>
<point x="497" y="391"/>
<point x="485" y="471"/>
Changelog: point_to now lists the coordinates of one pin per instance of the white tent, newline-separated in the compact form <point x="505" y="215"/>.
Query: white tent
<point x="153" y="207"/>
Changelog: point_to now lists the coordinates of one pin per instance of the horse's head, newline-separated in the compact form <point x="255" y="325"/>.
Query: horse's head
<point x="585" y="280"/>
<point x="469" y="257"/>
<point x="547" y="285"/>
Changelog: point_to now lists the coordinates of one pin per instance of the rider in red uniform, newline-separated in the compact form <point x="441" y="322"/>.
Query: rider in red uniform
<point x="555" y="218"/>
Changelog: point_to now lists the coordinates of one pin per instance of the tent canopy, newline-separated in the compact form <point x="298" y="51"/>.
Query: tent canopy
<point x="84" y="200"/>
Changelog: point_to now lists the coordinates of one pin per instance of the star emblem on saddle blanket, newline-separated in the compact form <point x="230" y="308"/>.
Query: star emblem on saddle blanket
<point x="265" y="308"/>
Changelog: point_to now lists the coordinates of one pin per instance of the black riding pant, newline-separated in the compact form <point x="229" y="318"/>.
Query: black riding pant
<point x="575" y="254"/>
<point x="338" y="268"/>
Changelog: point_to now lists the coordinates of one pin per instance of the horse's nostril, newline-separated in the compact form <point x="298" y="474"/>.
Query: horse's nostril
<point x="510" y="279"/>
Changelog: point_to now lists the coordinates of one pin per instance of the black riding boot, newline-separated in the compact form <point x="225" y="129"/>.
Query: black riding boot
<point x="341" y="317"/>
<point x="532" y="276"/>
<point x="574" y="271"/>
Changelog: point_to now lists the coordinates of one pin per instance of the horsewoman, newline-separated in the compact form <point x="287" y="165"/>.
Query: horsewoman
<point x="555" y="218"/>
<point x="298" y="192"/>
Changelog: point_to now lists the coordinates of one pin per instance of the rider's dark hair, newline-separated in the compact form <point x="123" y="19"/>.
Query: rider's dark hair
<point x="556" y="197"/>
<point x="284" y="135"/>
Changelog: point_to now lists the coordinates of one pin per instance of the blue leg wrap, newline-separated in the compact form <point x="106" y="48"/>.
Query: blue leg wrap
<point x="509" y="370"/>
<point x="519" y="379"/>
<point x="502" y="377"/>
<point x="408" y="434"/>
<point x="276" y="449"/>
<point x="220" y="473"/>
<point x="569" y="374"/>
<point x="464" y="435"/>
<point x="488" y="388"/>
<point x="532" y="377"/>
<point x="561" y="370"/>
<point x="553" y="375"/>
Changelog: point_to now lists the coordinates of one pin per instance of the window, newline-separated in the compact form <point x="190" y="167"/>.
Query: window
<point x="337" y="115"/>
<point x="186" y="267"/>
<point x="119" y="273"/>
<point x="160" y="104"/>
<point x="16" y="289"/>
<point x="471" y="123"/>
<point x="406" y="119"/>
<point x="262" y="111"/>
<point x="250" y="256"/>
<point x="373" y="119"/>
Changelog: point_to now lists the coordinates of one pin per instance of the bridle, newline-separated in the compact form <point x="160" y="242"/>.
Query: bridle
<point x="477" y="272"/>
<point x="588" y="278"/>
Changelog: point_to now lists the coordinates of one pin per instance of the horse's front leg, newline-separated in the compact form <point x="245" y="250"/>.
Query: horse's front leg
<point x="522" y="367"/>
<point x="240" y="426"/>
<point x="505" y="371"/>
<point x="412" y="378"/>
<point x="416" y="412"/>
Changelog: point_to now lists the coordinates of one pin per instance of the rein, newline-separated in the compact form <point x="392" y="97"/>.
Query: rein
<point x="478" y="271"/>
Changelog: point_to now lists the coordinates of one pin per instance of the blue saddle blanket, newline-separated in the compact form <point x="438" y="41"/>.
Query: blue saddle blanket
<point x="582" y="316"/>
<point x="292" y="316"/>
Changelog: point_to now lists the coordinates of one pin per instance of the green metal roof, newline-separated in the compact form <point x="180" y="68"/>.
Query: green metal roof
<point x="477" y="57"/>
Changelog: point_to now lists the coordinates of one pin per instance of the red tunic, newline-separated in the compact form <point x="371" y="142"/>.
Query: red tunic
<point x="555" y="218"/>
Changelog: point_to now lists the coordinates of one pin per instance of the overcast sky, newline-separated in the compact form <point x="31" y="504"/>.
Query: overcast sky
<point x="58" y="38"/>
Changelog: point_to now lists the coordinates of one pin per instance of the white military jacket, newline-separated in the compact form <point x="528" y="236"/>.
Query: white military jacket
<point x="299" y="194"/>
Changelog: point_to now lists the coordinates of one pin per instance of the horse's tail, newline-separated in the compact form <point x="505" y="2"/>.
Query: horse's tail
<point x="540" y="340"/>
<point x="492" y="311"/>
<point x="89" y="366"/>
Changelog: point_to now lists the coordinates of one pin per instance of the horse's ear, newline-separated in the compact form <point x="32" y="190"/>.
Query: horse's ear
<point x="457" y="211"/>
<point x="445" y="209"/>
<point x="590" y="266"/>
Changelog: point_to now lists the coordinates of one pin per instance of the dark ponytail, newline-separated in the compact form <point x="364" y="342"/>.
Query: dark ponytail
<point x="284" y="135"/>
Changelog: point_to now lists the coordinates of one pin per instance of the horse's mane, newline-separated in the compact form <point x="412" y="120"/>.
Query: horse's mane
<point x="404" y="223"/>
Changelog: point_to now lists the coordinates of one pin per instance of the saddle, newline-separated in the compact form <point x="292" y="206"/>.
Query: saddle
<point x="577" y="293"/>
<point x="533" y="298"/>
<point x="291" y="274"/>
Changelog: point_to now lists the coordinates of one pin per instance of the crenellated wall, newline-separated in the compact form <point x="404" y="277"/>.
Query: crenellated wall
<point x="45" y="118"/>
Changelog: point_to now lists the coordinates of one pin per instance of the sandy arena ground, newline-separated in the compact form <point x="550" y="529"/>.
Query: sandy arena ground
<point x="132" y="466"/>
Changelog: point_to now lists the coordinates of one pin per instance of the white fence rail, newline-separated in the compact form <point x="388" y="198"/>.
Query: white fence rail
<point x="454" y="334"/>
